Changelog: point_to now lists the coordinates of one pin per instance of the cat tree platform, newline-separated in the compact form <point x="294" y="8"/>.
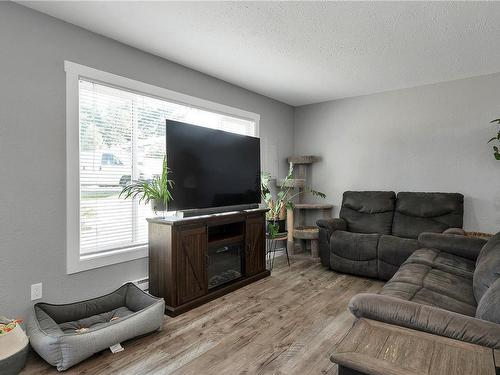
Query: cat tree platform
<point x="307" y="233"/>
<point x="305" y="159"/>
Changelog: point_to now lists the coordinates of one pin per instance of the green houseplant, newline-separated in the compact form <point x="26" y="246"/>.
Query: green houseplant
<point x="496" y="140"/>
<point x="281" y="201"/>
<point x="155" y="191"/>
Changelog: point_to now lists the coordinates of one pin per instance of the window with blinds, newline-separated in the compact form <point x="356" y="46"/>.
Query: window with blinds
<point x="122" y="138"/>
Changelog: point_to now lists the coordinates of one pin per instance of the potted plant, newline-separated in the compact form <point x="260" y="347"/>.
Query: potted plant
<point x="155" y="191"/>
<point x="496" y="139"/>
<point x="275" y="217"/>
<point x="282" y="201"/>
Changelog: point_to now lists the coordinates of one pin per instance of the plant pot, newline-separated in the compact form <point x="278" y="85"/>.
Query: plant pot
<point x="158" y="206"/>
<point x="281" y="225"/>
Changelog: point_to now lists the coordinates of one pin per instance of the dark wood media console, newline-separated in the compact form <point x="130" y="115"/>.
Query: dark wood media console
<point x="196" y="259"/>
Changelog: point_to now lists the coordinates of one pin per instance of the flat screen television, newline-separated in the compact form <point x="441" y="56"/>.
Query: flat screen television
<point x="212" y="170"/>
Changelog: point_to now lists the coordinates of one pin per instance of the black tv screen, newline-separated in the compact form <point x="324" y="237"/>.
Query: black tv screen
<point x="211" y="168"/>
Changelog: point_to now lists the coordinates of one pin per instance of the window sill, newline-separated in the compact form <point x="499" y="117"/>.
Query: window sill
<point x="88" y="262"/>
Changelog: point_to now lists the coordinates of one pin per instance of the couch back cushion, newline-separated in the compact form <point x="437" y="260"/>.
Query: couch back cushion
<point x="368" y="211"/>
<point x="487" y="267"/>
<point x="427" y="212"/>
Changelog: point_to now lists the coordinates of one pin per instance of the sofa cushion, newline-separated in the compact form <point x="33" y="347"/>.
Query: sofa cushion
<point x="354" y="253"/>
<point x="368" y="211"/>
<point x="427" y="212"/>
<point x="487" y="267"/>
<point x="392" y="252"/>
<point x="421" y="283"/>
<point x="444" y="261"/>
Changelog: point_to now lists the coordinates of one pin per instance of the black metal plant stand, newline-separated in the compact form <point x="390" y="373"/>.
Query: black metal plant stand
<point x="272" y="247"/>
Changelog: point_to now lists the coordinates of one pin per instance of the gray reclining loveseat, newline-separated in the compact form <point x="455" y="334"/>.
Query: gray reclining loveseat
<point x="377" y="230"/>
<point x="449" y="287"/>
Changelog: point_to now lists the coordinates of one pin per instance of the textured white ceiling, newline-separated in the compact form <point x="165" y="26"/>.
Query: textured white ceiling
<point x="305" y="52"/>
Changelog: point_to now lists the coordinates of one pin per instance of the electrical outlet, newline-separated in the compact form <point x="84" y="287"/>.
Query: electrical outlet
<point x="36" y="291"/>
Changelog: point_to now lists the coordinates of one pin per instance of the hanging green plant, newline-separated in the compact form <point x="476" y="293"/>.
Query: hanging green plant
<point x="496" y="140"/>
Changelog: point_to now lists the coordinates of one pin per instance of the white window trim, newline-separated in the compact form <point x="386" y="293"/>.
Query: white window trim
<point x="74" y="262"/>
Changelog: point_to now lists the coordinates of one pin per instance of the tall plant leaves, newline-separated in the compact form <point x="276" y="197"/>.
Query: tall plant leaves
<point x="158" y="188"/>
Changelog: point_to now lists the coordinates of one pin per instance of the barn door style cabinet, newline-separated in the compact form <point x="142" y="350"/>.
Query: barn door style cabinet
<point x="197" y="259"/>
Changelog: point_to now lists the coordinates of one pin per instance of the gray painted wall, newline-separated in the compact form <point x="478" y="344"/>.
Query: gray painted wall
<point x="429" y="138"/>
<point x="33" y="48"/>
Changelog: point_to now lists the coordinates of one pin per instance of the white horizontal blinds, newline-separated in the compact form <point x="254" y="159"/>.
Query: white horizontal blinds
<point x="122" y="138"/>
<point x="218" y="121"/>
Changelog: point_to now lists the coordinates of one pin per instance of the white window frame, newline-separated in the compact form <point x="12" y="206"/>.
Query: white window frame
<point x="74" y="261"/>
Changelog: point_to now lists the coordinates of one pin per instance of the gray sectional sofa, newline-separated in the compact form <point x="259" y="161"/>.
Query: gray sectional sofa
<point x="377" y="230"/>
<point x="450" y="287"/>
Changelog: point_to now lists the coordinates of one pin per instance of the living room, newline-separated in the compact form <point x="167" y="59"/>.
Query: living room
<point x="338" y="158"/>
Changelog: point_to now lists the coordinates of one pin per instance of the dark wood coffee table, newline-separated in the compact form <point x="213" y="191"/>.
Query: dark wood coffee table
<point x="375" y="348"/>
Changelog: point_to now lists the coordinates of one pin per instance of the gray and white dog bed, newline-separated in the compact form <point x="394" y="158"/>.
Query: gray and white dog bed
<point x="64" y="335"/>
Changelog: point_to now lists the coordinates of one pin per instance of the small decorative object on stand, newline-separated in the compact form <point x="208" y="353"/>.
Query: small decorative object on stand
<point x="496" y="140"/>
<point x="13" y="346"/>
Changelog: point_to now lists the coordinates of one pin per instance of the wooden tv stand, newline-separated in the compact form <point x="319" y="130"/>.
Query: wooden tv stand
<point x="178" y="255"/>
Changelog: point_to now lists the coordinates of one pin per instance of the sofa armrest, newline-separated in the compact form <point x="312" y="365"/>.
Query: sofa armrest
<point x="331" y="225"/>
<point x="462" y="246"/>
<point x="326" y="229"/>
<point x="426" y="318"/>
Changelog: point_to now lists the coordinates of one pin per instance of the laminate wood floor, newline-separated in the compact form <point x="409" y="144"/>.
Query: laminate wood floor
<point x="287" y="323"/>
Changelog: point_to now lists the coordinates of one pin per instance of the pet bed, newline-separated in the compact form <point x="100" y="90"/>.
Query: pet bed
<point x="64" y="335"/>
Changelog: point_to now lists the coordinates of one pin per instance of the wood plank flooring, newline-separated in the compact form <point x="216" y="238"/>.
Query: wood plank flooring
<point x="287" y="323"/>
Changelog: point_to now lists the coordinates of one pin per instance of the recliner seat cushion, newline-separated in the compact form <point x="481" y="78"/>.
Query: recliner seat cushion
<point x="487" y="267"/>
<point x="443" y="261"/>
<point x="368" y="211"/>
<point x="354" y="253"/>
<point x="426" y="212"/>
<point x="422" y="283"/>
